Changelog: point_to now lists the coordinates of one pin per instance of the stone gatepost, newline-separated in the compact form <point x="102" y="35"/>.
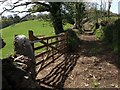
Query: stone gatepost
<point x="22" y="46"/>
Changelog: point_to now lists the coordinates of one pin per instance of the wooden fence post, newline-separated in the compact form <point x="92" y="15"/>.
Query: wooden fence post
<point x="31" y="38"/>
<point x="67" y="45"/>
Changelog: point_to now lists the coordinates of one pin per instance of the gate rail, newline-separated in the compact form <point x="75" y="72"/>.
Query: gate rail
<point x="51" y="48"/>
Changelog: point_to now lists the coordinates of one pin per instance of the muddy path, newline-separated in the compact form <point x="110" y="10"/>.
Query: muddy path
<point x="94" y="65"/>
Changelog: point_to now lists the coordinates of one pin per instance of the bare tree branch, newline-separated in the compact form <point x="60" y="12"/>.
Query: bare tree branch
<point x="25" y="4"/>
<point x="19" y="11"/>
<point x="2" y="1"/>
<point x="25" y="16"/>
<point x="17" y="2"/>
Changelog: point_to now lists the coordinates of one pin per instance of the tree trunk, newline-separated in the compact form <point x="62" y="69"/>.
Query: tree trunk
<point x="56" y="17"/>
<point x="80" y="8"/>
<point x="109" y="6"/>
<point x="77" y="25"/>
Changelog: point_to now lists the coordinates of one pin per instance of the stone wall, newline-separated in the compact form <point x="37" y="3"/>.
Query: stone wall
<point x="17" y="73"/>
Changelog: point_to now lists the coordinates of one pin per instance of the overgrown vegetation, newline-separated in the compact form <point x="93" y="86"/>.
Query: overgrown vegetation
<point x="73" y="41"/>
<point x="110" y="34"/>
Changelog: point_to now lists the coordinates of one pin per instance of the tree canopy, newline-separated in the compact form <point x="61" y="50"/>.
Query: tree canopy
<point x="72" y="12"/>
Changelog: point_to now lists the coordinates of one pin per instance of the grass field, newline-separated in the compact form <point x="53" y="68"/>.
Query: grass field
<point x="38" y="27"/>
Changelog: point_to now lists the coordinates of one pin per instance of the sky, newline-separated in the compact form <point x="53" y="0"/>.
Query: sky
<point x="114" y="6"/>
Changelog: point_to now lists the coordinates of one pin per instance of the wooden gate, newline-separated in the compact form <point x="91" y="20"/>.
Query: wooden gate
<point x="50" y="48"/>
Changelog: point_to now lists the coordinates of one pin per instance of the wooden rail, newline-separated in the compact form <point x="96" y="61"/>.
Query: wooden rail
<point x="51" y="48"/>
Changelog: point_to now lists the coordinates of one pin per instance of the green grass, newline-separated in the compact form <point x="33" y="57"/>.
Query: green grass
<point x="38" y="27"/>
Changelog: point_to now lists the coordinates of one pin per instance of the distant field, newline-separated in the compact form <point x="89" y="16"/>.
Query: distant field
<point x="38" y="27"/>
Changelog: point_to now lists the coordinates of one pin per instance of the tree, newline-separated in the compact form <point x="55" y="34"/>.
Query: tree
<point x="10" y="19"/>
<point x="75" y="11"/>
<point x="109" y="6"/>
<point x="68" y="12"/>
<point x="55" y="10"/>
<point x="6" y="21"/>
<point x="80" y="8"/>
<point x="56" y="17"/>
<point x="53" y="7"/>
<point x="16" y="18"/>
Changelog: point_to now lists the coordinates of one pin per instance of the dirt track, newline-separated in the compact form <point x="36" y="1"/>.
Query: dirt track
<point x="94" y="66"/>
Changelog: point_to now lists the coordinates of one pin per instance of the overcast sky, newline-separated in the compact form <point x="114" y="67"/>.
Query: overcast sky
<point x="114" y="6"/>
